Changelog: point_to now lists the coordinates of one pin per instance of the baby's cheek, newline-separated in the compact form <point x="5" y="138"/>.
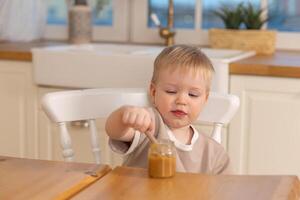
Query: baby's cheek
<point x="193" y="117"/>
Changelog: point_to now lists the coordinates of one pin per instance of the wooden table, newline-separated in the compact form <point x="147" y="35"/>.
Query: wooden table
<point x="133" y="183"/>
<point x="39" y="179"/>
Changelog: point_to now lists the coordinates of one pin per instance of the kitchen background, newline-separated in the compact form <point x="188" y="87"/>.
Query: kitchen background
<point x="264" y="136"/>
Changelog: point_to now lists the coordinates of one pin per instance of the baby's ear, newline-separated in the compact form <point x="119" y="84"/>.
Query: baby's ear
<point x="152" y="91"/>
<point x="207" y="95"/>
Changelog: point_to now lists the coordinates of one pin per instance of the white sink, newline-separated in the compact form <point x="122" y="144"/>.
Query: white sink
<point x="106" y="49"/>
<point x="114" y="65"/>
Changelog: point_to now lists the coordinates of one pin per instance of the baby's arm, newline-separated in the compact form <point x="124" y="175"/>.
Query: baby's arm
<point x="122" y="123"/>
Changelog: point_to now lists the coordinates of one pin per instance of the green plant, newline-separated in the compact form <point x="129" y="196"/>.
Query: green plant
<point x="253" y="17"/>
<point x="249" y="15"/>
<point x="232" y="17"/>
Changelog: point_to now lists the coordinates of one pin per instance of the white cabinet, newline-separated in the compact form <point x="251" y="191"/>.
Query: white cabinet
<point x="265" y="134"/>
<point x="17" y="110"/>
<point x="25" y="130"/>
<point x="49" y="138"/>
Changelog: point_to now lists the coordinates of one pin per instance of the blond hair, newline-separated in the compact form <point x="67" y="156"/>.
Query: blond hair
<point x="183" y="57"/>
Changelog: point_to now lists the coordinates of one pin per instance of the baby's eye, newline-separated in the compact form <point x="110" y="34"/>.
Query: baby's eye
<point x="171" y="91"/>
<point x="193" y="95"/>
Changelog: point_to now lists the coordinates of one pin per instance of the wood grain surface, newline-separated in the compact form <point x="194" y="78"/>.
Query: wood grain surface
<point x="280" y="64"/>
<point x="21" y="51"/>
<point x="39" y="179"/>
<point x="134" y="183"/>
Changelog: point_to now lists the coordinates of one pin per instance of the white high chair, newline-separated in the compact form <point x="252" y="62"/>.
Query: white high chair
<point x="90" y="104"/>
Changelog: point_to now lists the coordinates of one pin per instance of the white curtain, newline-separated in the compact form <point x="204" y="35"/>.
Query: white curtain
<point x="22" y="20"/>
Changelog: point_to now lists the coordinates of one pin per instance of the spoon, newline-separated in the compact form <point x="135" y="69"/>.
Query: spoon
<point x="151" y="137"/>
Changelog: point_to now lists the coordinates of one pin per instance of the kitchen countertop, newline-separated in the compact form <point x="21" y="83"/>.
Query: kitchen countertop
<point x="21" y="50"/>
<point x="282" y="63"/>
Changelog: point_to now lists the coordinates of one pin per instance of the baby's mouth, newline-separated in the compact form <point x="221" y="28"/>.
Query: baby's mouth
<point x="179" y="113"/>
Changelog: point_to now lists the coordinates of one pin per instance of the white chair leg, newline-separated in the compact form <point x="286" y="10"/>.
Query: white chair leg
<point x="66" y="144"/>
<point x="94" y="140"/>
<point x="216" y="134"/>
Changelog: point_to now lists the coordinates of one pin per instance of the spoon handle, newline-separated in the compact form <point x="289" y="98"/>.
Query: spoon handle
<point x="151" y="137"/>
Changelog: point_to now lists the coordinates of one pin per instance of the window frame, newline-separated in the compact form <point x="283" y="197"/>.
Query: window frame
<point x="117" y="32"/>
<point x="142" y="34"/>
<point x="130" y="25"/>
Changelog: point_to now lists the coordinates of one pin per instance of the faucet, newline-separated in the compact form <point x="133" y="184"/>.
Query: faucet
<point x="168" y="32"/>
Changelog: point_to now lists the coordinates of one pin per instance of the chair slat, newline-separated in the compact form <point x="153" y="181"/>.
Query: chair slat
<point x="66" y="142"/>
<point x="94" y="140"/>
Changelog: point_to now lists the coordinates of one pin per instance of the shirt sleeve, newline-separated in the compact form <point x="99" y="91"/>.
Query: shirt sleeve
<point x="222" y="163"/>
<point x="125" y="148"/>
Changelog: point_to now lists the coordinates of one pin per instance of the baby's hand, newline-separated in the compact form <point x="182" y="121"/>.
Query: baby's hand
<point x="138" y="118"/>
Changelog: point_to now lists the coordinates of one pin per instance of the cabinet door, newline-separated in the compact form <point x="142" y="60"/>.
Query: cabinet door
<point x="17" y="103"/>
<point x="264" y="135"/>
<point x="49" y="138"/>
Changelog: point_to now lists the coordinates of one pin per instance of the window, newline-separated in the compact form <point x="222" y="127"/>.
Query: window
<point x="186" y="21"/>
<point x="184" y="13"/>
<point x="284" y="15"/>
<point x="102" y="12"/>
<point x="129" y="20"/>
<point x="57" y="12"/>
<point x="109" y="21"/>
<point x="193" y="20"/>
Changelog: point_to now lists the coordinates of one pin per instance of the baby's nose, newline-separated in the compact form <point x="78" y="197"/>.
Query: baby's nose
<point x="181" y="99"/>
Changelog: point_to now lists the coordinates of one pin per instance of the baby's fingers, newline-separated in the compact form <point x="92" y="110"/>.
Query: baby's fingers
<point x="151" y="125"/>
<point x="137" y="118"/>
<point x="143" y="123"/>
<point x="129" y="118"/>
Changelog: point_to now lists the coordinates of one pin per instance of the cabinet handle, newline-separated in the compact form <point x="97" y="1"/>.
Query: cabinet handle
<point x="80" y="124"/>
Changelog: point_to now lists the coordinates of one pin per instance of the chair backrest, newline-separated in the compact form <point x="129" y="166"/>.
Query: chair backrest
<point x="90" y="104"/>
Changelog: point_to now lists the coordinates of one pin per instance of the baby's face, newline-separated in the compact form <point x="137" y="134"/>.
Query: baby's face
<point x="179" y="96"/>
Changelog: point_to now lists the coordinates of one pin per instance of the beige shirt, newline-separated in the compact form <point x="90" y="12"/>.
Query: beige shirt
<point x="204" y="156"/>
